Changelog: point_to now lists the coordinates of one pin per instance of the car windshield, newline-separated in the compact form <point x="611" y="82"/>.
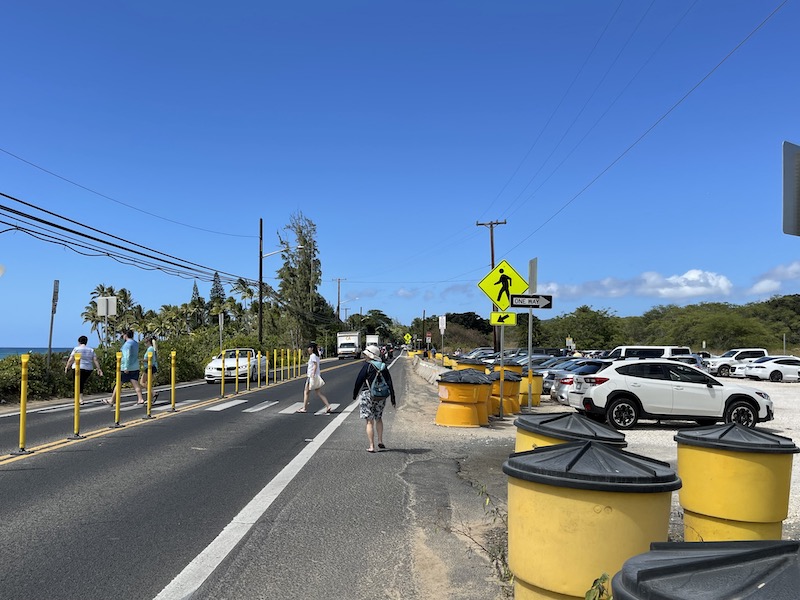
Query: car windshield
<point x="764" y="359"/>
<point x="728" y="354"/>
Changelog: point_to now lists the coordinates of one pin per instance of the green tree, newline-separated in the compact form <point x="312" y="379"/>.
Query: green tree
<point x="217" y="294"/>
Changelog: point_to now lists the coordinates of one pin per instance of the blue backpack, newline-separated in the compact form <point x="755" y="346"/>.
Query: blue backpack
<point x="379" y="389"/>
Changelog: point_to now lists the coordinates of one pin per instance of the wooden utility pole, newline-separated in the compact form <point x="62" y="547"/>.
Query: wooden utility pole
<point x="338" y="281"/>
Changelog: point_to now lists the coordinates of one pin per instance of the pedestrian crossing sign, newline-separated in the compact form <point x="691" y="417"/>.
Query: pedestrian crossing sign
<point x="501" y="283"/>
<point x="503" y="319"/>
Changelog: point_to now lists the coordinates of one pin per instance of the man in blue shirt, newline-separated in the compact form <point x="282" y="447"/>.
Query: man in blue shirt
<point x="129" y="368"/>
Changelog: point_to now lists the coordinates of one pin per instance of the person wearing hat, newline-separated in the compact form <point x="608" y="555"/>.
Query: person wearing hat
<point x="371" y="408"/>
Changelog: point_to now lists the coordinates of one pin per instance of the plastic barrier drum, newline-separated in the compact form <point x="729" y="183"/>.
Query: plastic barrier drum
<point x="736" y="483"/>
<point x="549" y="429"/>
<point x="578" y="510"/>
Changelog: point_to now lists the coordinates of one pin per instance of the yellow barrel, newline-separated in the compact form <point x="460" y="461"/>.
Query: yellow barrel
<point x="548" y="429"/>
<point x="734" y="473"/>
<point x="511" y="368"/>
<point x="483" y="402"/>
<point x="469" y="363"/>
<point x="526" y="591"/>
<point x="590" y="502"/>
<point x="511" y="383"/>
<point x="702" y="528"/>
<point x="536" y="389"/>
<point x="457" y="405"/>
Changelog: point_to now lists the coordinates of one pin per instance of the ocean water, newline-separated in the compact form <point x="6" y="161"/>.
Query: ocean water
<point x="11" y="351"/>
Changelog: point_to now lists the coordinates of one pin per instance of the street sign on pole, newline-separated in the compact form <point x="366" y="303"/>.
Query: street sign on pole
<point x="536" y="301"/>
<point x="500" y="283"/>
<point x="503" y="319"/>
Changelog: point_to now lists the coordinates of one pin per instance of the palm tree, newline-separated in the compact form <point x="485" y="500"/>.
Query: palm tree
<point x="90" y="316"/>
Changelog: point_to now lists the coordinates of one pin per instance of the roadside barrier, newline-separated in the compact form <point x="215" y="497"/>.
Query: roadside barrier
<point x="173" y="377"/>
<point x="76" y="420"/>
<point x="736" y="483"/>
<point x="549" y="429"/>
<point x="149" y="405"/>
<point x="118" y="393"/>
<point x="505" y="392"/>
<point x="596" y="505"/>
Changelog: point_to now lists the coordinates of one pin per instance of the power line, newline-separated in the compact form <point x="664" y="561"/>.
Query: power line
<point x="101" y="195"/>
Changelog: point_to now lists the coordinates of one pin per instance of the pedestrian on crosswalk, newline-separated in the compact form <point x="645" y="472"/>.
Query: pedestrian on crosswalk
<point x="314" y="380"/>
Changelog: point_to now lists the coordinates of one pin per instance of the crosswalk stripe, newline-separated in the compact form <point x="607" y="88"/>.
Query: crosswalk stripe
<point x="226" y="405"/>
<point x="261" y="406"/>
<point x="321" y="411"/>
<point x="292" y="409"/>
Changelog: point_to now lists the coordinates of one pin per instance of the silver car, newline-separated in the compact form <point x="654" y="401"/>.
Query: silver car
<point x="564" y="381"/>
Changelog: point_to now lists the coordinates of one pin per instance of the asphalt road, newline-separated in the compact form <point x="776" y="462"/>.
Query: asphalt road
<point x="120" y="513"/>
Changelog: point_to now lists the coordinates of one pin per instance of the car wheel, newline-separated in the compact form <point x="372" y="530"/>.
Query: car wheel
<point x="622" y="413"/>
<point x="742" y="413"/>
<point x="776" y="376"/>
<point x="724" y="371"/>
<point x="209" y="381"/>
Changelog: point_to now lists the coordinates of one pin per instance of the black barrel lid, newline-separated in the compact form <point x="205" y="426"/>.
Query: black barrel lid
<point x="465" y="376"/>
<point x="756" y="570"/>
<point x="592" y="466"/>
<point x="508" y="375"/>
<point x="737" y="438"/>
<point x="571" y="427"/>
<point x="471" y="361"/>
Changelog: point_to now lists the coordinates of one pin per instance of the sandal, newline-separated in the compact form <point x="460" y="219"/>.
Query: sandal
<point x="301" y="410"/>
<point x="371" y="450"/>
<point x="107" y="402"/>
<point x="381" y="446"/>
<point x="328" y="410"/>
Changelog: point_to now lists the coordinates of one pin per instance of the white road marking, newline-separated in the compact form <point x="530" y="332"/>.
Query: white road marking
<point x="261" y="406"/>
<point x="292" y="409"/>
<point x="203" y="565"/>
<point x="226" y="405"/>
<point x="322" y="410"/>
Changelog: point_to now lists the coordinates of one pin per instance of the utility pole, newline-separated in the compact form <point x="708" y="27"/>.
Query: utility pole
<point x="260" y="283"/>
<point x="338" y="281"/>
<point x="491" y="225"/>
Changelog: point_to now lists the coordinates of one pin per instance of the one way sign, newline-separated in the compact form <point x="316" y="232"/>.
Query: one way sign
<point x="537" y="301"/>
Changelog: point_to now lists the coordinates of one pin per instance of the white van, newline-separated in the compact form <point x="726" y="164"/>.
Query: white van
<point x="623" y="352"/>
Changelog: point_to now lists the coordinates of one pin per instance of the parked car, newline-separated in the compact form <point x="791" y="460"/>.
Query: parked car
<point x="721" y="365"/>
<point x="564" y="381"/>
<point x="213" y="370"/>
<point x="691" y="359"/>
<point x="536" y="360"/>
<point x="774" y="368"/>
<point x="483" y="350"/>
<point x="565" y="367"/>
<point x="626" y="391"/>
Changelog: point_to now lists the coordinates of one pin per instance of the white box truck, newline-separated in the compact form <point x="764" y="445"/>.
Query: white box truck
<point x="373" y="339"/>
<point x="348" y="344"/>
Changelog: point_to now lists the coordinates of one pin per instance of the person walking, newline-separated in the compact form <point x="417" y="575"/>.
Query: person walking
<point x="129" y="368"/>
<point x="88" y="360"/>
<point x="153" y="354"/>
<point x="371" y="408"/>
<point x="312" y="373"/>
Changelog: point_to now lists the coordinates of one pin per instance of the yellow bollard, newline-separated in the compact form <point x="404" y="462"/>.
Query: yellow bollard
<point x="236" y="376"/>
<point x="274" y="366"/>
<point x="23" y="405"/>
<point x="258" y="369"/>
<point x="248" y="370"/>
<point x="76" y="424"/>
<point x="149" y="405"/>
<point x="222" y="378"/>
<point x="118" y="393"/>
<point x="172" y="376"/>
<point x="283" y="362"/>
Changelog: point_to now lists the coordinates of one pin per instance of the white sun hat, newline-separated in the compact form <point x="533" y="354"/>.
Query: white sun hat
<point x="372" y="352"/>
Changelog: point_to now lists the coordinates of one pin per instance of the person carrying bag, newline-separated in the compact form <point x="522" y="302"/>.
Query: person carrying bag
<point x="314" y="380"/>
<point x="372" y="387"/>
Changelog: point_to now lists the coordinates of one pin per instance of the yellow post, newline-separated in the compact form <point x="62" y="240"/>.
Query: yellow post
<point x="236" y="377"/>
<point x="76" y="429"/>
<point x="274" y="366"/>
<point x="266" y="371"/>
<point x="149" y="404"/>
<point x="118" y="389"/>
<point x="248" y="370"/>
<point x="172" y="373"/>
<point x="282" y="363"/>
<point x="23" y="405"/>
<point x="222" y="378"/>
<point x="258" y="369"/>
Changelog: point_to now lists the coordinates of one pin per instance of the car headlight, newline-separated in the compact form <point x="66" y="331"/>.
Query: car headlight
<point x="764" y="395"/>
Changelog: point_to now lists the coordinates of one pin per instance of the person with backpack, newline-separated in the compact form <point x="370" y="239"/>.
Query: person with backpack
<point x="373" y="386"/>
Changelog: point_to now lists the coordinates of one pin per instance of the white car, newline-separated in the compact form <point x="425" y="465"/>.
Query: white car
<point x="660" y="389"/>
<point x="246" y="368"/>
<point x="774" y="368"/>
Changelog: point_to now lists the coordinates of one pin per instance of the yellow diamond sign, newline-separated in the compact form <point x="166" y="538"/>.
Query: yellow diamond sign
<point x="501" y="283"/>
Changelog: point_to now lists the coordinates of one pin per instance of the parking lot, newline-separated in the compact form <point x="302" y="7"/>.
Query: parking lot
<point x="655" y="440"/>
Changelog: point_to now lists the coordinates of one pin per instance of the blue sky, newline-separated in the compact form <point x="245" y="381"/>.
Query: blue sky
<point x="630" y="146"/>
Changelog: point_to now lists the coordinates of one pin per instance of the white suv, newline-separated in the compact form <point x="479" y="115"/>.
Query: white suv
<point x="721" y="365"/>
<point x="627" y="391"/>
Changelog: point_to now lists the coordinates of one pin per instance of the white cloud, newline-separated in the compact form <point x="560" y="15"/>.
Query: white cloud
<point x="770" y="282"/>
<point x="765" y="286"/>
<point x="693" y="283"/>
<point x="405" y="293"/>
